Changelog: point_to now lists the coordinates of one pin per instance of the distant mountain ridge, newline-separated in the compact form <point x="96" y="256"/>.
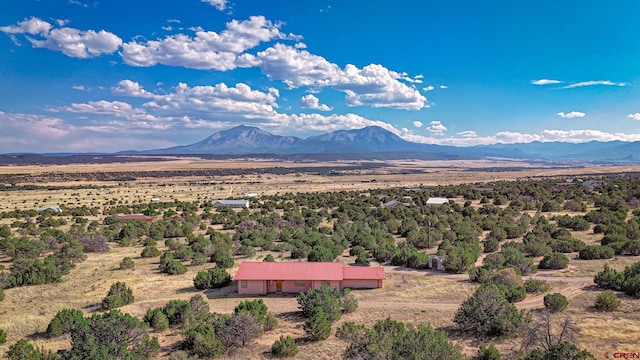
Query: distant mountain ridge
<point x="238" y="140"/>
<point x="374" y="142"/>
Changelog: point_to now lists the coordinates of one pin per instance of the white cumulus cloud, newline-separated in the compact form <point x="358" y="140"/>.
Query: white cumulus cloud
<point x="635" y="116"/>
<point x="207" y="50"/>
<point x="218" y="102"/>
<point x="109" y="108"/>
<point x="130" y="88"/>
<point x="467" y="134"/>
<point x="311" y="102"/>
<point x="573" y="114"/>
<point x="218" y="4"/>
<point x="428" y="88"/>
<point x="436" y="128"/>
<point x="71" y="42"/>
<point x="373" y="85"/>
<point x="417" y="123"/>
<point x="31" y="26"/>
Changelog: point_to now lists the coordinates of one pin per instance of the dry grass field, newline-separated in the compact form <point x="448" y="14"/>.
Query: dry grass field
<point x="407" y="295"/>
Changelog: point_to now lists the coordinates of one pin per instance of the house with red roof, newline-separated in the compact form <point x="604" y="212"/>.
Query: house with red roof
<point x="292" y="277"/>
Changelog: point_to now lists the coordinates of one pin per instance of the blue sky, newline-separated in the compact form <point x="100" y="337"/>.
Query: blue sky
<point x="80" y="75"/>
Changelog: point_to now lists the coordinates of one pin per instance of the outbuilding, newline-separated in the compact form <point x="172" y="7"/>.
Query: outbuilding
<point x="54" y="208"/>
<point x="437" y="201"/>
<point x="436" y="262"/>
<point x="234" y="204"/>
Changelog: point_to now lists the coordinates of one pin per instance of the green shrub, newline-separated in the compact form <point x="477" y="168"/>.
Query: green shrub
<point x="258" y="312"/>
<point x="156" y="319"/>
<point x="269" y="258"/>
<point x="176" y="311"/>
<point x="270" y="322"/>
<point x="559" y="350"/>
<point x="482" y="274"/>
<point x="111" y="335"/>
<point x="348" y="302"/>
<point x="356" y="250"/>
<point x="174" y="267"/>
<point x="555" y="302"/>
<point x="318" y="326"/>
<point x="284" y="347"/>
<point x="199" y="259"/>
<point x="488" y="313"/>
<point x="536" y="286"/>
<point x="320" y="253"/>
<point x="1" y="294"/>
<point x="246" y="251"/>
<point x="537" y="248"/>
<point x="214" y="278"/>
<point x="607" y="301"/>
<point x="567" y="245"/>
<point x="609" y="278"/>
<point x="513" y="294"/>
<point x="325" y="298"/>
<point x="507" y="277"/>
<point x="150" y="251"/>
<point x="63" y="322"/>
<point x="389" y="339"/>
<point x="3" y="337"/>
<point x="204" y="342"/>
<point x="631" y="286"/>
<point x="362" y="259"/>
<point x="23" y="350"/>
<point x="172" y="244"/>
<point x="488" y="353"/>
<point x="491" y="244"/>
<point x="225" y="262"/>
<point x="554" y="261"/>
<point x="119" y="294"/>
<point x="596" y="252"/>
<point x="461" y="257"/>
<point x="127" y="263"/>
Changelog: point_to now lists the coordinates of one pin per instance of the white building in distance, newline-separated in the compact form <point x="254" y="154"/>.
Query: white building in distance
<point x="437" y="201"/>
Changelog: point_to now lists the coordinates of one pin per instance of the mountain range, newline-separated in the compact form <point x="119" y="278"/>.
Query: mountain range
<point x="374" y="142"/>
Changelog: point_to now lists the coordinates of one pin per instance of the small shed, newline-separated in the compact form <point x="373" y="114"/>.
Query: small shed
<point x="391" y="204"/>
<point x="234" y="204"/>
<point x="436" y="262"/>
<point x="54" y="208"/>
<point x="437" y="201"/>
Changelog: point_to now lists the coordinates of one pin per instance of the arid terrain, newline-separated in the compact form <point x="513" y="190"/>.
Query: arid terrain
<point x="407" y="295"/>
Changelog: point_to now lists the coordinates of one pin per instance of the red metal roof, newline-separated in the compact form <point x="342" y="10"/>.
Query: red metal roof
<point x="289" y="271"/>
<point x="250" y="270"/>
<point x="362" y="272"/>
